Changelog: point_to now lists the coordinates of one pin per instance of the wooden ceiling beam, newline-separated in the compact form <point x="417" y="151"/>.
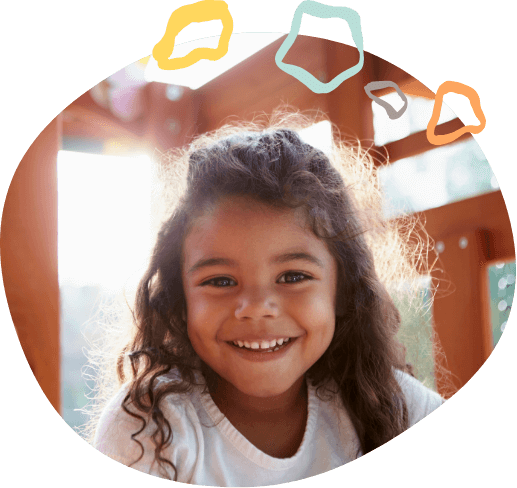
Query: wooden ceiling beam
<point x="162" y="125"/>
<point x="416" y="143"/>
<point x="257" y="86"/>
<point x="486" y="214"/>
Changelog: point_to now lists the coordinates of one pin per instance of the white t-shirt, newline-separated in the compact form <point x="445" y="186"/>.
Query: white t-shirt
<point x="207" y="450"/>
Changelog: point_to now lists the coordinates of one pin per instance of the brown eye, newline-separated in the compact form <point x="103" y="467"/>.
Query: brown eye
<point x="294" y="277"/>
<point x="220" y="282"/>
<point x="225" y="282"/>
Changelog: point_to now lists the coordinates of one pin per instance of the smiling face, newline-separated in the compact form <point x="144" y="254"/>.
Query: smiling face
<point x="253" y="277"/>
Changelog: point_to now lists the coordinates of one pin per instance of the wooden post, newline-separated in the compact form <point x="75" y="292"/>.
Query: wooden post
<point x="461" y="308"/>
<point x="28" y="245"/>
<point x="459" y="311"/>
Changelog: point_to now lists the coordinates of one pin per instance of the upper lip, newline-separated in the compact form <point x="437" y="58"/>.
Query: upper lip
<point x="261" y="338"/>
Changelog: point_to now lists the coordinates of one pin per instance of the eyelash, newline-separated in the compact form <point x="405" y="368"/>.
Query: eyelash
<point x="212" y="281"/>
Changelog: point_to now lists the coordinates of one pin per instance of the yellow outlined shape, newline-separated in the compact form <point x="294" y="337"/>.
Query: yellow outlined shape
<point x="475" y="103"/>
<point x="202" y="11"/>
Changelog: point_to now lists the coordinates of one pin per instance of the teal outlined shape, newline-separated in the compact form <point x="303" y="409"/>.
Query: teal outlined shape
<point x="323" y="12"/>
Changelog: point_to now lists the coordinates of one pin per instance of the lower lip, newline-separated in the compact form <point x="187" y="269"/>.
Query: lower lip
<point x="257" y="356"/>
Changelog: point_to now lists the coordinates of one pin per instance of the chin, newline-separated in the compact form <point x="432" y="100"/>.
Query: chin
<point x="261" y="389"/>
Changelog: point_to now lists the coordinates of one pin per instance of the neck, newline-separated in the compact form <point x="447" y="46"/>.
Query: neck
<point x="231" y="401"/>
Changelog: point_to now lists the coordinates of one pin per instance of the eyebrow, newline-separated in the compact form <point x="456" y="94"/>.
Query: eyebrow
<point x="281" y="258"/>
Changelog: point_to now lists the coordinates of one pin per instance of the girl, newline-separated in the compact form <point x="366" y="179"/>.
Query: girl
<point x="263" y="349"/>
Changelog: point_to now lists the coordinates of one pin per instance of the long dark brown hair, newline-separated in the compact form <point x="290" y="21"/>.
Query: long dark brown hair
<point x="342" y="202"/>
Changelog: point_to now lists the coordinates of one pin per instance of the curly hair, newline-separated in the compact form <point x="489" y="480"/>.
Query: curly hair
<point x="341" y="199"/>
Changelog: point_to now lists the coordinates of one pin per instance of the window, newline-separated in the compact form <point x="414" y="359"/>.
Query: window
<point x="437" y="177"/>
<point x="104" y="239"/>
<point x="415" y="118"/>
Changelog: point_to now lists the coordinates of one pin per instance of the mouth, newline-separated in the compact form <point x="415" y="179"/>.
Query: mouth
<point x="263" y="354"/>
<point x="262" y="346"/>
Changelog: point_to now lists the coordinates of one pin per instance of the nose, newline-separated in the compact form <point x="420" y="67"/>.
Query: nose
<point x="256" y="304"/>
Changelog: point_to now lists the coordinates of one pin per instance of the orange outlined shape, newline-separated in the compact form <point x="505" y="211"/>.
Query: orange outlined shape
<point x="202" y="11"/>
<point x="475" y="103"/>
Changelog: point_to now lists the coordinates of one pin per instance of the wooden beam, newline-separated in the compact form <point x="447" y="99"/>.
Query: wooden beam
<point x="28" y="245"/>
<point x="163" y="124"/>
<point x="416" y="143"/>
<point x="258" y="86"/>
<point x="461" y="306"/>
<point x="383" y="71"/>
<point x="169" y="123"/>
<point x="349" y="107"/>
<point x="459" y="316"/>
<point x="413" y="87"/>
<point x="85" y="118"/>
<point x="487" y="211"/>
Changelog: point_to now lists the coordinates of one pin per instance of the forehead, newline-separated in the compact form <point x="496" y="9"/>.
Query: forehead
<point x="247" y="228"/>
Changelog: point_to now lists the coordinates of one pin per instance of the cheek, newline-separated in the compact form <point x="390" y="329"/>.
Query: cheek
<point x="202" y="344"/>
<point x="317" y="317"/>
<point x="317" y="313"/>
<point x="204" y="314"/>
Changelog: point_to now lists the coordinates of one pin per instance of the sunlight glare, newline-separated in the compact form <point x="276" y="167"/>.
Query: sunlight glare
<point x="319" y="136"/>
<point x="104" y="218"/>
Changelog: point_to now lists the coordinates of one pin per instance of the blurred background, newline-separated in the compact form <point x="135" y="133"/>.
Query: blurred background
<point x="78" y="221"/>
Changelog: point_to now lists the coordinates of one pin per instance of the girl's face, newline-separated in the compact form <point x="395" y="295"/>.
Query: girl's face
<point x="254" y="278"/>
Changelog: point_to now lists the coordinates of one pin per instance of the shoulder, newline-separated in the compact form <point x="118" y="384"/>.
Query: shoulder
<point x="420" y="400"/>
<point x="125" y="437"/>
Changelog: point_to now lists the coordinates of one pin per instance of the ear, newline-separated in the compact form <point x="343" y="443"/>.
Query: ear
<point x="184" y="313"/>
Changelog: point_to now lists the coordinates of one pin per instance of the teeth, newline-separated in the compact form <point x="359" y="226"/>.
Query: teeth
<point x="262" y="344"/>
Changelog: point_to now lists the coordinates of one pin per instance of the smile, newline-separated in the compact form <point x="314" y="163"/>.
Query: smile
<point x="263" y="346"/>
<point x="263" y="354"/>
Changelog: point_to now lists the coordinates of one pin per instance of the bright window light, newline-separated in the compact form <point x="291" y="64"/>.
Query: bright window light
<point x="319" y="136"/>
<point x="104" y="219"/>
<point x="414" y="119"/>
<point x="240" y="47"/>
<point x="437" y="177"/>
